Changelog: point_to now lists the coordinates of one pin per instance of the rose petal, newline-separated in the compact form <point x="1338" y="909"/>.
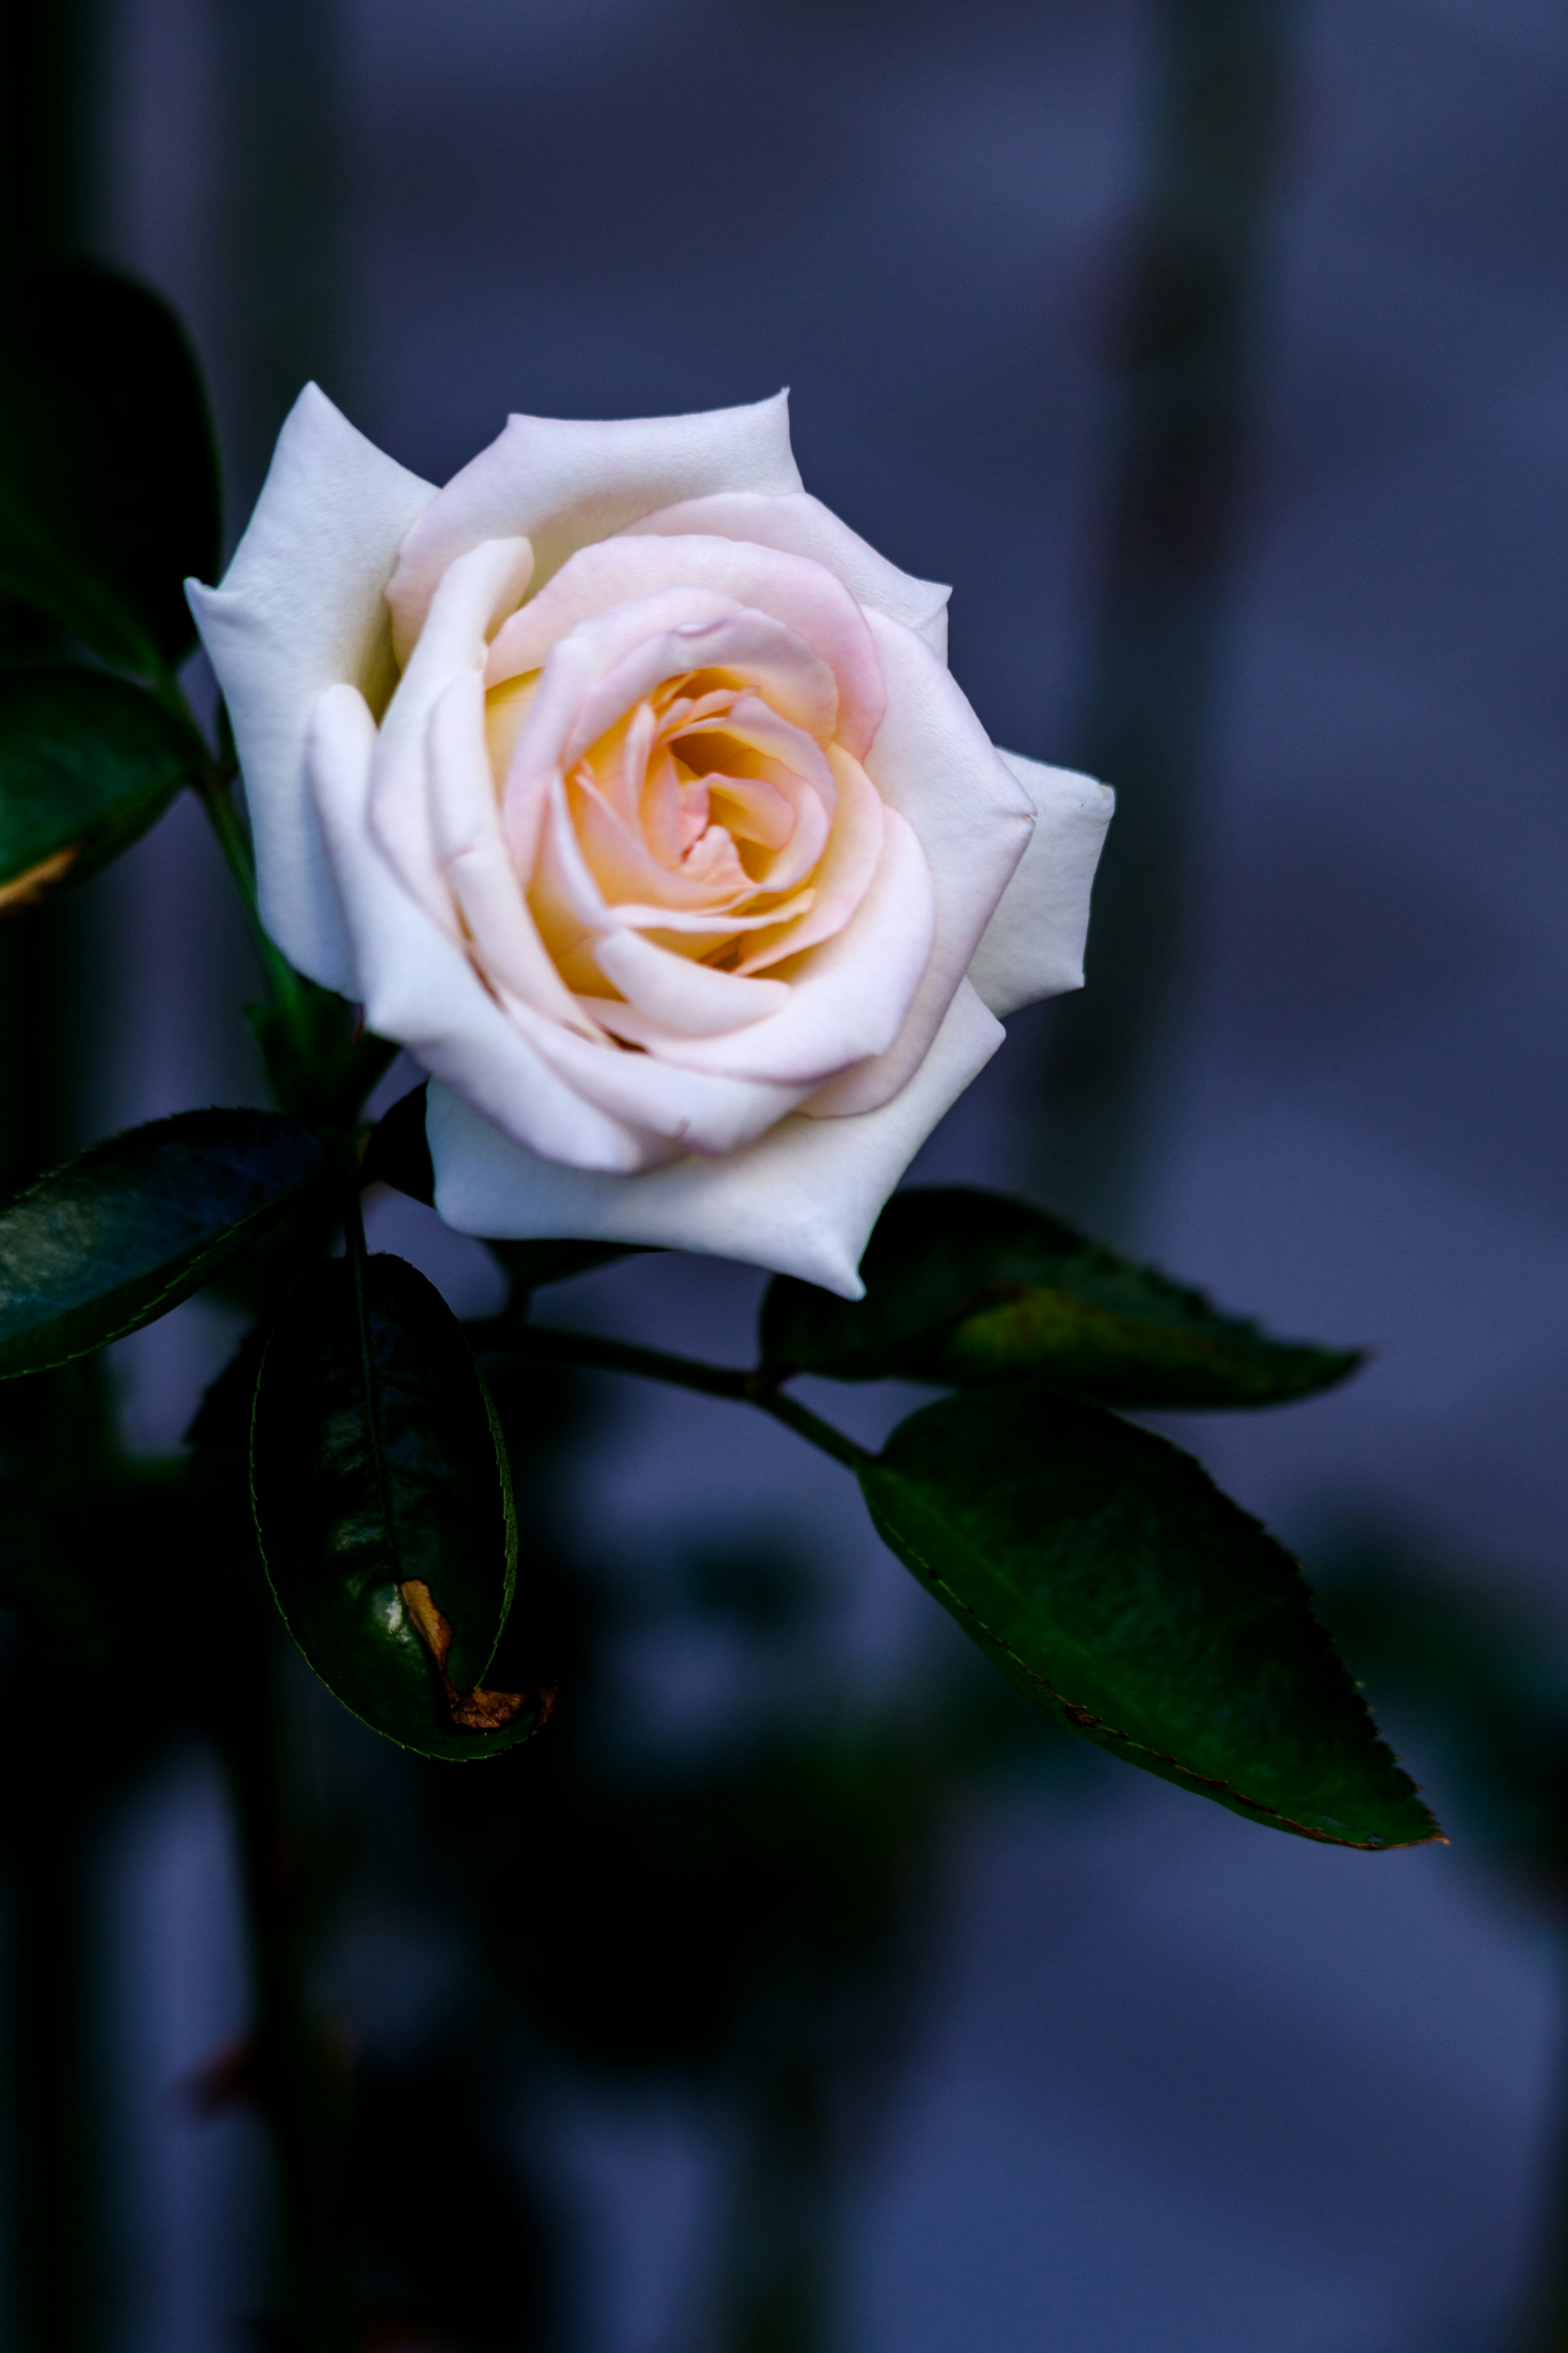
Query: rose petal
<point x="681" y="996"/>
<point x="713" y="929"/>
<point x="300" y="608"/>
<point x="564" y="483"/>
<point x="477" y="591"/>
<point x="801" y="1199"/>
<point x="791" y="679"/>
<point x="571" y="667"/>
<point x="804" y="596"/>
<point x="933" y="761"/>
<point x="1033" y="946"/>
<point x="418" y="987"/>
<point x="854" y="853"/>
<point x="799" y="524"/>
<point x="466" y="827"/>
<point x="694" y="1110"/>
<point x="846" y="1003"/>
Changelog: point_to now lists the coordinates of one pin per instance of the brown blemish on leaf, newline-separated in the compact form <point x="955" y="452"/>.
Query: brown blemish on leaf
<point x="27" y="888"/>
<point x="475" y="1711"/>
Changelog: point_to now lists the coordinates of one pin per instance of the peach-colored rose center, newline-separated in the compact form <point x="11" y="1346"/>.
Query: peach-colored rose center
<point x="704" y="819"/>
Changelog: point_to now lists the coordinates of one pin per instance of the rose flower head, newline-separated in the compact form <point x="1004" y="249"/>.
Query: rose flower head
<point x="629" y="790"/>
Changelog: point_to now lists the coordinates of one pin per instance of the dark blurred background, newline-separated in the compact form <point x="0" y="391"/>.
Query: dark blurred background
<point x="795" y="1991"/>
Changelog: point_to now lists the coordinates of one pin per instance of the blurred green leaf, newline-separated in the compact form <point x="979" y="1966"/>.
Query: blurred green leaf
<point x="126" y="1230"/>
<point x="87" y="764"/>
<point x="1101" y="1569"/>
<point x="970" y="1288"/>
<point x="383" y="1508"/>
<point x="108" y="484"/>
<point x="321" y="1060"/>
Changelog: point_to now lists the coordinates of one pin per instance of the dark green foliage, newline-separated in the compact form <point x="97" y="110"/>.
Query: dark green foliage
<point x="1106" y="1575"/>
<point x="970" y="1288"/>
<point x="479" y="2269"/>
<point x="122" y="1233"/>
<point x="87" y="764"/>
<point x="321" y="1060"/>
<point x="108" y="488"/>
<point x="375" y="1460"/>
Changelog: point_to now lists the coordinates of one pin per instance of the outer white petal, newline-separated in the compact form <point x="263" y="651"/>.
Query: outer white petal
<point x="479" y="589"/>
<point x="1033" y="946"/>
<point x="803" y="1199"/>
<point x="933" y="762"/>
<point x="301" y="607"/>
<point x="565" y="482"/>
<point x="802" y="525"/>
<point x="419" y="987"/>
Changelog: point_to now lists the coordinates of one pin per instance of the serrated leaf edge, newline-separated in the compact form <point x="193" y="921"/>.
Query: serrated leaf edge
<point x="1084" y="1719"/>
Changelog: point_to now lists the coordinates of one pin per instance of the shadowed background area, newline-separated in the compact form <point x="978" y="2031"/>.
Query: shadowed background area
<point x="1218" y="355"/>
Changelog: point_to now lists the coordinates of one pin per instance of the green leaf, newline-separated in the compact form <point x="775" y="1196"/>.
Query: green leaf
<point x="1105" y="1573"/>
<point x="125" y="1232"/>
<point x="321" y="1060"/>
<point x="87" y="764"/>
<point x="972" y="1289"/>
<point x="109" y="485"/>
<point x="383" y="1503"/>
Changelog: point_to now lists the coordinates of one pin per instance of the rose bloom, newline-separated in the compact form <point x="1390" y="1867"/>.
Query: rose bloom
<point x="629" y="790"/>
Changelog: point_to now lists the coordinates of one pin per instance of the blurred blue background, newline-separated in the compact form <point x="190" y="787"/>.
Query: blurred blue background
<point x="1162" y="2081"/>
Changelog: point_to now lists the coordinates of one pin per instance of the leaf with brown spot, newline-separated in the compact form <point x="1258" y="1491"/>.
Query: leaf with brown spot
<point x="475" y="1711"/>
<point x="383" y="1505"/>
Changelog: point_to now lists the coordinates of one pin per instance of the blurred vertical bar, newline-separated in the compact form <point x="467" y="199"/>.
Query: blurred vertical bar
<point x="47" y="115"/>
<point x="47" y="124"/>
<point x="283" y="319"/>
<point x="1184" y="360"/>
<point x="281" y="221"/>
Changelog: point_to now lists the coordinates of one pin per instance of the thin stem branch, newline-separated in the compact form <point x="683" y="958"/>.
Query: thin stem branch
<point x="545" y="1345"/>
<point x="815" y="1430"/>
<point x="214" y="789"/>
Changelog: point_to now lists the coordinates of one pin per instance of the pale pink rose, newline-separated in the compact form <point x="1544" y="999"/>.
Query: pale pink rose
<point x="628" y="788"/>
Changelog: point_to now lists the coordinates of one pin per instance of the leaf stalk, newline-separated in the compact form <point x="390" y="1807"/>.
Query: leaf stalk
<point x="545" y="1344"/>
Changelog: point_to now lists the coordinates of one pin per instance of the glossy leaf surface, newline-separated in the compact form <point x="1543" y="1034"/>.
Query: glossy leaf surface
<point x="109" y="486"/>
<point x="122" y="1233"/>
<point x="1106" y="1574"/>
<point x="87" y="764"/>
<point x="973" y="1288"/>
<point x="383" y="1503"/>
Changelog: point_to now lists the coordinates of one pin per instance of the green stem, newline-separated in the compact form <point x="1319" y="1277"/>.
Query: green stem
<point x="545" y="1345"/>
<point x="815" y="1430"/>
<point x="214" y="790"/>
